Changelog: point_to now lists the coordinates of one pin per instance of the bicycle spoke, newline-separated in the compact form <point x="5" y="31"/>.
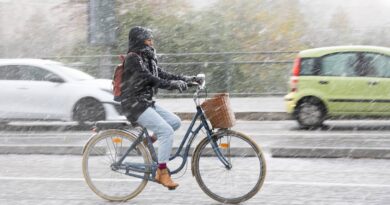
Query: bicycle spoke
<point x="109" y="149"/>
<point x="226" y="184"/>
<point x="106" y="180"/>
<point x="115" y="147"/>
<point x="102" y="154"/>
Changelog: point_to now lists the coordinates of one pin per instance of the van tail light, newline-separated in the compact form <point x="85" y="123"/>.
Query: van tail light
<point x="295" y="72"/>
<point x="297" y="67"/>
<point x="294" y="83"/>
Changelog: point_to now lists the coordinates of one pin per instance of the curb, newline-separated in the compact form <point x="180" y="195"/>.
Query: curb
<point x="77" y="150"/>
<point x="41" y="149"/>
<point x="331" y="152"/>
<point x="285" y="152"/>
<point x="250" y="116"/>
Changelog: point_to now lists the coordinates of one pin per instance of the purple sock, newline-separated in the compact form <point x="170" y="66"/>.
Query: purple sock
<point x="162" y="165"/>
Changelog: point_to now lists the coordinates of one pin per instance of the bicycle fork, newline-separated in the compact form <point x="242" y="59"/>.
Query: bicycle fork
<point x="217" y="150"/>
<point x="213" y="142"/>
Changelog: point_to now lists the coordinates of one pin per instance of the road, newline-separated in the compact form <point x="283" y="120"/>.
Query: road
<point x="354" y="138"/>
<point x="57" y="179"/>
<point x="53" y="179"/>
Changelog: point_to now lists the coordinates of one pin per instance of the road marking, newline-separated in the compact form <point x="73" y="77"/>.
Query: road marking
<point x="328" y="184"/>
<point x="317" y="134"/>
<point x="323" y="184"/>
<point x="60" y="179"/>
<point x="47" y="133"/>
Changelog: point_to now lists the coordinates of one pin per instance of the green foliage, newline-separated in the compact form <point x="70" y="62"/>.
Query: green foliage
<point x="226" y="25"/>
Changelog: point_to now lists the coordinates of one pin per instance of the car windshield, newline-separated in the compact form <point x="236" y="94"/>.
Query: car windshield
<point x="71" y="72"/>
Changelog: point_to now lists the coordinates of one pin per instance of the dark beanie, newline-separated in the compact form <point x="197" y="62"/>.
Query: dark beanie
<point x="139" y="33"/>
<point x="137" y="36"/>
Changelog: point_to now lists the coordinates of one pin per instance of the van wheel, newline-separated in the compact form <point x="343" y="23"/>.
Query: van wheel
<point x="310" y="113"/>
<point x="88" y="110"/>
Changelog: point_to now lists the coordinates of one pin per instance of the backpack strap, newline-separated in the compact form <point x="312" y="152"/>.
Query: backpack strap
<point x="122" y="58"/>
<point x="132" y="53"/>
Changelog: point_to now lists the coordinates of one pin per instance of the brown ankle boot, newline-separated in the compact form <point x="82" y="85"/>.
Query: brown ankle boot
<point x="162" y="177"/>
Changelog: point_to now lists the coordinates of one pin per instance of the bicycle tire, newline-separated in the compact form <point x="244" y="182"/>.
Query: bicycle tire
<point x="219" y="182"/>
<point x="98" y="158"/>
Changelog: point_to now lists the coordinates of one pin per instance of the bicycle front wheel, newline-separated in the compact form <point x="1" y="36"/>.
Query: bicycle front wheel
<point x="100" y="169"/>
<point x="234" y="184"/>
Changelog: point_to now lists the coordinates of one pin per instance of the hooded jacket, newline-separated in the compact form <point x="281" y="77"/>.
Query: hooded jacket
<point x="142" y="77"/>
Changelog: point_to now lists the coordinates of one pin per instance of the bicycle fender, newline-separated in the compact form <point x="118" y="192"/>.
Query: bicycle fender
<point x="197" y="148"/>
<point x="88" y="141"/>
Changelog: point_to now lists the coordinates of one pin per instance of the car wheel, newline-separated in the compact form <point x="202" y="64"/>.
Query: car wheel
<point x="88" y="110"/>
<point x="310" y="113"/>
<point x="3" y="124"/>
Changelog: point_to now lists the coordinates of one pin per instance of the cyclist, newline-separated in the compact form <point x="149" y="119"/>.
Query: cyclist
<point x="141" y="79"/>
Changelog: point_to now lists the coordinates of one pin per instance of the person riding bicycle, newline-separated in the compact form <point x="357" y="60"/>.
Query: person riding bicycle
<point x="142" y="77"/>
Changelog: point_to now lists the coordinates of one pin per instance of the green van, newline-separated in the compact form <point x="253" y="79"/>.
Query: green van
<point x="339" y="81"/>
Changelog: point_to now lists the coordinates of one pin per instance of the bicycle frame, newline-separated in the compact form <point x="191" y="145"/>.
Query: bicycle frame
<point x="185" y="144"/>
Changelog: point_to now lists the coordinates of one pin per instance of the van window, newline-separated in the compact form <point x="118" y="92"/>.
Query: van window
<point x="308" y="67"/>
<point x="340" y="64"/>
<point x="379" y="65"/>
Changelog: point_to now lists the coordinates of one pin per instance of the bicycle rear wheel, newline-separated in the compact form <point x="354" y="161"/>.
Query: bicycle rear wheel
<point x="229" y="185"/>
<point x="106" y="180"/>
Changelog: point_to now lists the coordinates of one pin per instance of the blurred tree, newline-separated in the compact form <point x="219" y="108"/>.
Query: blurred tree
<point x="341" y="31"/>
<point x="250" y="25"/>
<point x="376" y="37"/>
<point x="225" y="25"/>
<point x="165" y="18"/>
<point x="36" y="32"/>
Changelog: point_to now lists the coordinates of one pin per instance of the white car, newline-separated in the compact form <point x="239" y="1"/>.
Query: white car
<point x="35" y="89"/>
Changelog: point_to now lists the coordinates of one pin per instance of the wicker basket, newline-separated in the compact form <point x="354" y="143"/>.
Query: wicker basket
<point x="218" y="111"/>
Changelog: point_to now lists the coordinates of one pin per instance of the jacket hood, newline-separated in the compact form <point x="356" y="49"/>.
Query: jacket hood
<point x="137" y="36"/>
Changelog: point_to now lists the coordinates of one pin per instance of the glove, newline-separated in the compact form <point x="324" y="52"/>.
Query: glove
<point x="190" y="79"/>
<point x="177" y="84"/>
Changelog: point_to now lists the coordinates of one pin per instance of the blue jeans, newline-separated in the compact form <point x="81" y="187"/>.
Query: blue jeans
<point x="163" y="123"/>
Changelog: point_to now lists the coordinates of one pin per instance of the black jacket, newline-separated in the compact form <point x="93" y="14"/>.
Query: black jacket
<point x="141" y="79"/>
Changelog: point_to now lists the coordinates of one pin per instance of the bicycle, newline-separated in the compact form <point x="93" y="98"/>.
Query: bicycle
<point x="117" y="151"/>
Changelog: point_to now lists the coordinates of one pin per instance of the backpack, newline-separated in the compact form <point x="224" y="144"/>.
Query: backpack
<point x="117" y="78"/>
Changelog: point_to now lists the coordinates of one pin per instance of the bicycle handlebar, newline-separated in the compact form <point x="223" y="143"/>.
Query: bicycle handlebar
<point x="200" y="87"/>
